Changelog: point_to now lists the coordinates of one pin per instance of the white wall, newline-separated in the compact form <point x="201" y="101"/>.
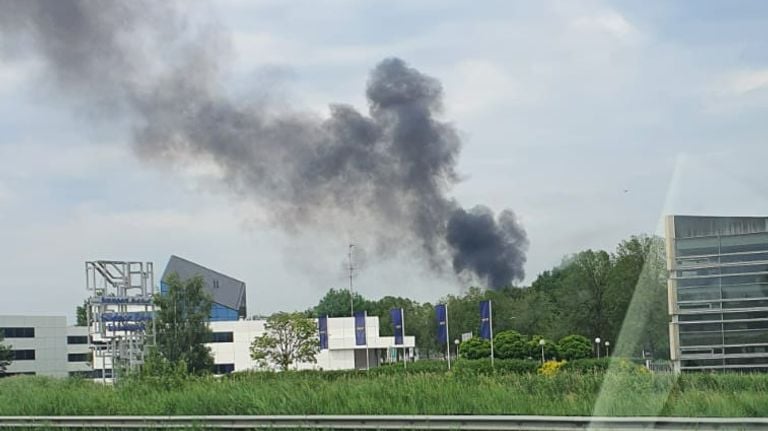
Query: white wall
<point x="49" y="344"/>
<point x="80" y="366"/>
<point x="341" y="344"/>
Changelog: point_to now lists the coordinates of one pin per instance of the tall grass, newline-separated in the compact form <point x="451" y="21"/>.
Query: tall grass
<point x="567" y="393"/>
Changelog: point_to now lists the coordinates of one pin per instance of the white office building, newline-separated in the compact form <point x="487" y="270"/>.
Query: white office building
<point x="232" y="342"/>
<point x="45" y="345"/>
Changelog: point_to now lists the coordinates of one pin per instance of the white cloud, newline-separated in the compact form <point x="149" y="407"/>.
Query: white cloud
<point x="607" y="21"/>
<point x="746" y="81"/>
<point x="5" y="194"/>
<point x="34" y="159"/>
<point x="476" y="85"/>
<point x="15" y="76"/>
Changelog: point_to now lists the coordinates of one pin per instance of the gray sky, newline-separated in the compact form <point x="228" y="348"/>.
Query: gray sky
<point x="589" y="119"/>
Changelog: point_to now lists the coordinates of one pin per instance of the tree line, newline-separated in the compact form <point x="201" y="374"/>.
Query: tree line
<point x="617" y="296"/>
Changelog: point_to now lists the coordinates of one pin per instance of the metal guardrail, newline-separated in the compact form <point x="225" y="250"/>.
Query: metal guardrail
<point x="519" y="423"/>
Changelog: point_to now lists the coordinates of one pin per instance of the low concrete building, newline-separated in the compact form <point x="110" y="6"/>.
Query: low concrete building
<point x="41" y="346"/>
<point x="46" y="346"/>
<point x="232" y="342"/>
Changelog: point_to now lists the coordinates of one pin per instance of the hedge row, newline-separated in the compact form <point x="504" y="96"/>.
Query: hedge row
<point x="459" y="367"/>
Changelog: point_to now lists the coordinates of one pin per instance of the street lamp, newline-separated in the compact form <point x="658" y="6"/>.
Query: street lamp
<point x="607" y="348"/>
<point x="542" y="343"/>
<point x="597" y="341"/>
<point x="456" y="343"/>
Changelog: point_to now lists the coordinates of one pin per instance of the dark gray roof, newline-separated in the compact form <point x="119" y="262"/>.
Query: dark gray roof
<point x="230" y="291"/>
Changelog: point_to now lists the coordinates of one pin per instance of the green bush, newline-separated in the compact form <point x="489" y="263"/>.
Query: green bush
<point x="423" y="366"/>
<point x="475" y="348"/>
<point x="534" y="349"/>
<point x="500" y="366"/>
<point x="587" y="365"/>
<point x="510" y="345"/>
<point x="574" y="347"/>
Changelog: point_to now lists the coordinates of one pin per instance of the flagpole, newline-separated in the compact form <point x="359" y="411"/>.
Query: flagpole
<point x="447" y="338"/>
<point x="365" y="331"/>
<point x="402" y="327"/>
<point x="490" y="323"/>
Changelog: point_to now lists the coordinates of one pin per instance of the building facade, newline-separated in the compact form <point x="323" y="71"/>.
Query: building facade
<point x="232" y="341"/>
<point x="45" y="345"/>
<point x="718" y="292"/>
<point x="228" y="294"/>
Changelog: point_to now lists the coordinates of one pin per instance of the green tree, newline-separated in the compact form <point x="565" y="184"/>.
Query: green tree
<point x="638" y="298"/>
<point x="476" y="348"/>
<point x="510" y="345"/>
<point x="421" y="323"/>
<point x="182" y="324"/>
<point x="382" y="307"/>
<point x="336" y="303"/>
<point x="6" y="355"/>
<point x="288" y="338"/>
<point x="592" y="275"/>
<point x="574" y="347"/>
<point x="81" y="313"/>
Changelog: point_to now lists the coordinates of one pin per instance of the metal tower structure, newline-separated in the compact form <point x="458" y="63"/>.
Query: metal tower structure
<point x="120" y="314"/>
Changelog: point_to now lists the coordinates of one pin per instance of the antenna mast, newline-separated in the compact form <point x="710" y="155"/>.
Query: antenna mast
<point x="351" y="274"/>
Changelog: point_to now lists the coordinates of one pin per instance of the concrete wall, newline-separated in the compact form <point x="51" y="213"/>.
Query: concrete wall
<point x="341" y="351"/>
<point x="49" y="344"/>
<point x="78" y="366"/>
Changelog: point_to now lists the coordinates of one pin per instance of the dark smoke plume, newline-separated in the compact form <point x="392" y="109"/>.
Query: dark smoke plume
<point x="390" y="170"/>
<point x="494" y="251"/>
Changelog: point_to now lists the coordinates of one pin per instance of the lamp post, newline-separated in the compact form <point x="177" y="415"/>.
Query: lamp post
<point x="607" y="348"/>
<point x="597" y="341"/>
<point x="542" y="343"/>
<point x="456" y="343"/>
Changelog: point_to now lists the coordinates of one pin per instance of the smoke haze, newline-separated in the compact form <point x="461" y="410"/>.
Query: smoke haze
<point x="389" y="171"/>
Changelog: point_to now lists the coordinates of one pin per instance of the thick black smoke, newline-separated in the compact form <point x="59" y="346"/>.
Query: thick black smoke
<point x="390" y="170"/>
<point x="494" y="251"/>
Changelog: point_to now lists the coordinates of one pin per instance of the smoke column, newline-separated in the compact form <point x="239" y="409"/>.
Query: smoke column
<point x="390" y="170"/>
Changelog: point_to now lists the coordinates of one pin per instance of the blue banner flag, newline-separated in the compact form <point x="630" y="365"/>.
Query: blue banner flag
<point x="485" y="320"/>
<point x="397" y="323"/>
<point x="360" y="328"/>
<point x="441" y="310"/>
<point x="322" y="329"/>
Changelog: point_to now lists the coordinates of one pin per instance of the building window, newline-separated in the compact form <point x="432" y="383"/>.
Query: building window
<point x="97" y="373"/>
<point x="215" y="284"/>
<point x="77" y="357"/>
<point x="20" y="373"/>
<point x="81" y="374"/>
<point x="23" y="355"/>
<point x="18" y="332"/>
<point x="223" y="368"/>
<point x="77" y="339"/>
<point x="222" y="337"/>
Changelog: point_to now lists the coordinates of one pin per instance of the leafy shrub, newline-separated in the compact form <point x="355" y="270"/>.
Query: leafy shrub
<point x="423" y="366"/>
<point x="510" y="345"/>
<point x="500" y="366"/>
<point x="574" y="347"/>
<point x="475" y="348"/>
<point x="534" y="349"/>
<point x="589" y="365"/>
<point x="551" y="368"/>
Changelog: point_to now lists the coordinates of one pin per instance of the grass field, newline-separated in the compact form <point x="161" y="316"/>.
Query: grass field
<point x="567" y="393"/>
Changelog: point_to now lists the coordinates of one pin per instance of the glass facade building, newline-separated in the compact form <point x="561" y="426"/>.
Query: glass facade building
<point x="227" y="293"/>
<point x="718" y="292"/>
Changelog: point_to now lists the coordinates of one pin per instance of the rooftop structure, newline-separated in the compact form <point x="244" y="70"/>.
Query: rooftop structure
<point x="228" y="293"/>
